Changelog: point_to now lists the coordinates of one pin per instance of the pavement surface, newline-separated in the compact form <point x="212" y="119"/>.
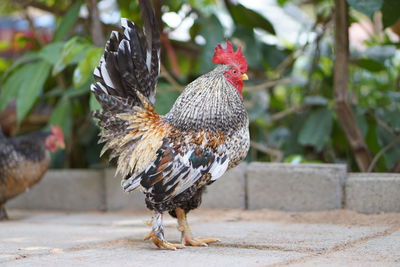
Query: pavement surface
<point x="249" y="238"/>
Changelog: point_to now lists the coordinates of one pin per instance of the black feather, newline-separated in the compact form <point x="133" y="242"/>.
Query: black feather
<point x="130" y="64"/>
<point x="152" y="35"/>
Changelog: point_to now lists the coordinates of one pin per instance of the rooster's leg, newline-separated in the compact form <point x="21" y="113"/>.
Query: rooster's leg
<point x="157" y="234"/>
<point x="3" y="213"/>
<point x="187" y="237"/>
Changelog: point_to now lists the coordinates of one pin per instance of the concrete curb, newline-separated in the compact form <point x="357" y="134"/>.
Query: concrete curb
<point x="373" y="192"/>
<point x="304" y="187"/>
<point x="70" y="190"/>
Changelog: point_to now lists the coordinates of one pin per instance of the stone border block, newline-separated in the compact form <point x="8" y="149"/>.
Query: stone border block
<point x="70" y="190"/>
<point x="373" y="192"/>
<point x="303" y="187"/>
<point x="116" y="198"/>
<point x="228" y="192"/>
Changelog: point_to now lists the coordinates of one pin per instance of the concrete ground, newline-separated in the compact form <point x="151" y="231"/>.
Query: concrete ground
<point x="249" y="238"/>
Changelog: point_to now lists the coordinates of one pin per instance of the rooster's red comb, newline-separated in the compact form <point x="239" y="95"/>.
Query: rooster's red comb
<point x="56" y="130"/>
<point x="228" y="56"/>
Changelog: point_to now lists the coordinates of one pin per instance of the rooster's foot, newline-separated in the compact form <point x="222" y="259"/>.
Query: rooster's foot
<point x="199" y="242"/>
<point x="184" y="228"/>
<point x="162" y="243"/>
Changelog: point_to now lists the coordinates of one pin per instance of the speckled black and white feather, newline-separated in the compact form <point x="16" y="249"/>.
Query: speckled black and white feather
<point x="130" y="64"/>
<point x="126" y="80"/>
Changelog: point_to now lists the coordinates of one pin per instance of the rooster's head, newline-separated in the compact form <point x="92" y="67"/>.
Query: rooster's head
<point x="237" y="73"/>
<point x="55" y="140"/>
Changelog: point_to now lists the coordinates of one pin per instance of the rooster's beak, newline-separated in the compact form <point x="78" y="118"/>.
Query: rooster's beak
<point x="244" y="77"/>
<point x="61" y="145"/>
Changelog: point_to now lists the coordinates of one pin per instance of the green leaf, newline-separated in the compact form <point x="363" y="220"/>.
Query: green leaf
<point x="278" y="136"/>
<point x="73" y="52"/>
<point x="296" y="123"/>
<point x="370" y="64"/>
<point x="249" y="18"/>
<point x="5" y="45"/>
<point x="317" y="129"/>
<point x="361" y="121"/>
<point x="252" y="49"/>
<point x="390" y="12"/>
<point x="74" y="92"/>
<point x="368" y="7"/>
<point x="391" y="117"/>
<point x="34" y="76"/>
<point x="282" y="2"/>
<point x="297" y="159"/>
<point x="67" y="22"/>
<point x="51" y="52"/>
<point x="373" y="144"/>
<point x="85" y="68"/>
<point x="256" y="104"/>
<point x="213" y="33"/>
<point x="272" y="55"/>
<point x="4" y="64"/>
<point x="316" y="101"/>
<point x="129" y="9"/>
<point x="27" y="58"/>
<point x="61" y="116"/>
<point x="202" y="4"/>
<point x="294" y="159"/>
<point x="385" y="138"/>
<point x="94" y="105"/>
<point x="11" y="87"/>
<point x="165" y="100"/>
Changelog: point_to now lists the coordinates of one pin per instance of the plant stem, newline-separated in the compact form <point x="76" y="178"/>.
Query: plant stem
<point x="343" y="110"/>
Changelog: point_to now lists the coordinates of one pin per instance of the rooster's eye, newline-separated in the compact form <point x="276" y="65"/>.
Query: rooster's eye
<point x="234" y="71"/>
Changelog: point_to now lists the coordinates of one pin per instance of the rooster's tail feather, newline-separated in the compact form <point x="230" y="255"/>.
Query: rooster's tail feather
<point x="125" y="88"/>
<point x="130" y="64"/>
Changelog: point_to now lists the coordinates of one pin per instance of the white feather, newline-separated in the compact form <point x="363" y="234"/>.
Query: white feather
<point x="217" y="170"/>
<point x="106" y="76"/>
<point x="114" y="33"/>
<point x="124" y="22"/>
<point x="132" y="182"/>
<point x="185" y="158"/>
<point x="148" y="59"/>
<point x="96" y="72"/>
<point x="93" y="87"/>
<point x="102" y="87"/>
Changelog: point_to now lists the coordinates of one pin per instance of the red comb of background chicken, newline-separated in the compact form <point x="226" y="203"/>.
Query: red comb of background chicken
<point x="229" y="56"/>
<point x="56" y="130"/>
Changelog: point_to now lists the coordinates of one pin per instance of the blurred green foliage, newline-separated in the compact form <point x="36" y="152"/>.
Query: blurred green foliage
<point x="290" y="96"/>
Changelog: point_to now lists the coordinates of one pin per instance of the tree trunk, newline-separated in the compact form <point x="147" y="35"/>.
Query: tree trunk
<point x="343" y="109"/>
<point x="96" y="29"/>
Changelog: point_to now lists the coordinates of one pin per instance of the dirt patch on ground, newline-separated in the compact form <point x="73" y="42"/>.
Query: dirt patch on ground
<point x="342" y="217"/>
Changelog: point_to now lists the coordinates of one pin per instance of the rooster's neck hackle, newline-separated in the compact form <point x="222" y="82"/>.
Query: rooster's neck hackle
<point x="209" y="103"/>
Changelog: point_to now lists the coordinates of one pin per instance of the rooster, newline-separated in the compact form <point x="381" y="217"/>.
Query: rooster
<point x="170" y="158"/>
<point x="24" y="160"/>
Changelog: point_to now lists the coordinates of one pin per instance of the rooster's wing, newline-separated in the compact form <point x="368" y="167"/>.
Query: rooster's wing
<point x="180" y="163"/>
